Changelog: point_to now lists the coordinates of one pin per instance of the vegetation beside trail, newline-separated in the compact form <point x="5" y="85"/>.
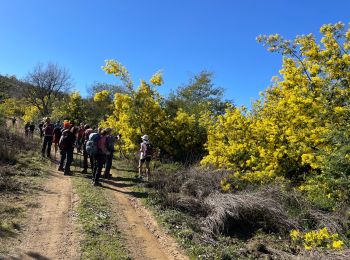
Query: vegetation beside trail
<point x="100" y="236"/>
<point x="255" y="223"/>
<point x="22" y="173"/>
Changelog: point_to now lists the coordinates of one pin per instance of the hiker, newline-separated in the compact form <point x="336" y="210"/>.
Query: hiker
<point x="58" y="123"/>
<point x="99" y="152"/>
<point x="87" y="132"/>
<point x="31" y="129"/>
<point x="14" y="121"/>
<point x="41" y="126"/>
<point x="145" y="156"/>
<point x="48" y="135"/>
<point x="66" y="146"/>
<point x="79" y="143"/>
<point x="110" y="142"/>
<point x="57" y="133"/>
<point x="26" y="129"/>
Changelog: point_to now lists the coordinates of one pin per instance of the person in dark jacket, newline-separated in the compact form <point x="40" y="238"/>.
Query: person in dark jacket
<point x="41" y="126"/>
<point x="100" y="156"/>
<point x="48" y="135"/>
<point x="31" y="129"/>
<point x="87" y="132"/>
<point x="66" y="146"/>
<point x="110" y="142"/>
<point x="57" y="132"/>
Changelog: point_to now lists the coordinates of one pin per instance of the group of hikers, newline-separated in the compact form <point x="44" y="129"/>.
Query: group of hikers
<point x="97" y="147"/>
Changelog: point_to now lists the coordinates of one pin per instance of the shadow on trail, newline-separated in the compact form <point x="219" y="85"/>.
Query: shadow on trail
<point x="117" y="184"/>
<point x="32" y="255"/>
<point x="118" y="178"/>
<point x="7" y="233"/>
<point x="139" y="195"/>
<point x="125" y="170"/>
<point x="37" y="256"/>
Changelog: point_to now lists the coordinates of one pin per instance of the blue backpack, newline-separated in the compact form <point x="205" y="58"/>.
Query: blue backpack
<point x="92" y="144"/>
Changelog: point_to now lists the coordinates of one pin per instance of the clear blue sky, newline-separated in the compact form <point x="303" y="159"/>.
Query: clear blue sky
<point x="180" y="37"/>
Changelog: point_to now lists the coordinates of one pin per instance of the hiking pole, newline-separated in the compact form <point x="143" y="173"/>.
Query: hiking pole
<point x="75" y="163"/>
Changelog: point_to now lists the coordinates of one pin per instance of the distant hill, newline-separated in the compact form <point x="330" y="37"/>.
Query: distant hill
<point x="10" y="86"/>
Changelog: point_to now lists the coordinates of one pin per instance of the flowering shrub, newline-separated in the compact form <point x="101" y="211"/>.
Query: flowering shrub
<point x="285" y="132"/>
<point x="316" y="238"/>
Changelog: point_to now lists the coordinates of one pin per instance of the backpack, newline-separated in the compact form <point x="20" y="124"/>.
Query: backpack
<point x="110" y="141"/>
<point x="92" y="144"/>
<point x="149" y="150"/>
<point x="49" y="129"/>
<point x="63" y="144"/>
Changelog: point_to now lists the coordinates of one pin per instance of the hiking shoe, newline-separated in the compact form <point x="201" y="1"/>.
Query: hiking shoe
<point x="97" y="184"/>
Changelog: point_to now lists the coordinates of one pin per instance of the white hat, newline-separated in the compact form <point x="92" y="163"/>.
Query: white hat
<point x="145" y="137"/>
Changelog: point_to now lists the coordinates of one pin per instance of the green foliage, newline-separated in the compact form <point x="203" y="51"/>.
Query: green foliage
<point x="198" y="96"/>
<point x="330" y="188"/>
<point x="73" y="108"/>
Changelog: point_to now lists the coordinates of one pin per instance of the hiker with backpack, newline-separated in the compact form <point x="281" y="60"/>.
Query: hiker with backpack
<point x="97" y="147"/>
<point x="26" y="129"/>
<point x="14" y="121"/>
<point x="31" y="129"/>
<point x="146" y="152"/>
<point x="48" y="136"/>
<point x="57" y="133"/>
<point x="66" y="145"/>
<point x="87" y="132"/>
<point x="41" y="126"/>
<point x="79" y="143"/>
<point x="110" y="142"/>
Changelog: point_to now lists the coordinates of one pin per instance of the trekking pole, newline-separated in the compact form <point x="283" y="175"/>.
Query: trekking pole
<point x="75" y="163"/>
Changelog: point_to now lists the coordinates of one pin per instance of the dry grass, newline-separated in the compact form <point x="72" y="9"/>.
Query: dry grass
<point x="245" y="213"/>
<point x="12" y="143"/>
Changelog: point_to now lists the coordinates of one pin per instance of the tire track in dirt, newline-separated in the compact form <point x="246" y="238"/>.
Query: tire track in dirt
<point x="143" y="237"/>
<point x="50" y="232"/>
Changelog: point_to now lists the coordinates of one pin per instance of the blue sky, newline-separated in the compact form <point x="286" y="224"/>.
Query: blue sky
<point x="180" y="37"/>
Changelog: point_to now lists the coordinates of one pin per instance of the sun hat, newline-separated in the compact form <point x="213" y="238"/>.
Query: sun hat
<point x="145" y="137"/>
<point x="66" y="123"/>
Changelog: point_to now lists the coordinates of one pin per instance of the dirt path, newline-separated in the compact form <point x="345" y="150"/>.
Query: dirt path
<point x="144" y="238"/>
<point x="50" y="233"/>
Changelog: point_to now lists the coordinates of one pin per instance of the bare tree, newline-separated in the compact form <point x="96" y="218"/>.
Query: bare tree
<point x="46" y="84"/>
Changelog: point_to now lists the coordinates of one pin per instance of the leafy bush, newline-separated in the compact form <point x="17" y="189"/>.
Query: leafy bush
<point x="317" y="238"/>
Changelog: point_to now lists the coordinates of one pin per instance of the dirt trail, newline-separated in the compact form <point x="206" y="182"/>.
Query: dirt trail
<point x="50" y="231"/>
<point x="144" y="238"/>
